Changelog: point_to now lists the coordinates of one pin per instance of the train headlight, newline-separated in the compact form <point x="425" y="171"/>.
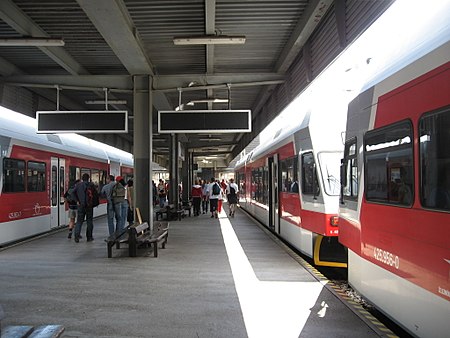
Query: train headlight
<point x="334" y="221"/>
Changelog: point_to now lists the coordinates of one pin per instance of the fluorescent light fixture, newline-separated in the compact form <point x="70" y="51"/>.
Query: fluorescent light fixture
<point x="209" y="40"/>
<point x="103" y="102"/>
<point x="210" y="139"/>
<point x="36" y="42"/>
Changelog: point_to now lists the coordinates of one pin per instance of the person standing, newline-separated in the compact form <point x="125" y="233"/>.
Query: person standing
<point x="214" y="194"/>
<point x="71" y="200"/>
<point x="232" y="196"/>
<point x="162" y="193"/>
<point x="205" y="196"/>
<point x="118" y="198"/>
<point x="84" y="210"/>
<point x="196" y="194"/>
<point x="107" y="193"/>
<point x="155" y="192"/>
<point x="129" y="197"/>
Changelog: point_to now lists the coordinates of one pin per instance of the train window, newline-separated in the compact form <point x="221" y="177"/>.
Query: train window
<point x="36" y="176"/>
<point x="289" y="180"/>
<point x="329" y="167"/>
<point x="74" y="174"/>
<point x="434" y="151"/>
<point x="349" y="176"/>
<point x="95" y="177"/>
<point x="389" y="172"/>
<point x="55" y="183"/>
<point x="260" y="189"/>
<point x="85" y="171"/>
<point x="13" y="175"/>
<point x="310" y="184"/>
<point x="102" y="179"/>
<point x="61" y="185"/>
<point x="241" y="184"/>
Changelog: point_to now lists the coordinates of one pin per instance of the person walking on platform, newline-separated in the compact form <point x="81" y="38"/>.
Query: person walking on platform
<point x="205" y="196"/>
<point x="71" y="200"/>
<point x="196" y="194"/>
<point x="107" y="193"/>
<point x="232" y="196"/>
<point x="214" y="194"/>
<point x="84" y="209"/>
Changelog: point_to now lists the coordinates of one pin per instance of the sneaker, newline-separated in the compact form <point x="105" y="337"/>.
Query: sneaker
<point x="77" y="239"/>
<point x="212" y="216"/>
<point x="90" y="239"/>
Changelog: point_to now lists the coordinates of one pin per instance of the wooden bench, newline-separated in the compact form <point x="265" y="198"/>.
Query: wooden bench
<point x="43" y="331"/>
<point x="187" y="206"/>
<point x="160" y="233"/>
<point x="170" y="211"/>
<point x="140" y="235"/>
<point x="116" y="239"/>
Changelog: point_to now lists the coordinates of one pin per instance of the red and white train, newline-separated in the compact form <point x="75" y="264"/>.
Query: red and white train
<point x="38" y="168"/>
<point x="394" y="216"/>
<point x="291" y="182"/>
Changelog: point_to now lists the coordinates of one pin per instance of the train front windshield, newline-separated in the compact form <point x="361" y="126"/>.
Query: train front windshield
<point x="329" y="163"/>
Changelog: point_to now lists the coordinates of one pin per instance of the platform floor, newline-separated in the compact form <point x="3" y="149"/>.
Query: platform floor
<point x="221" y="277"/>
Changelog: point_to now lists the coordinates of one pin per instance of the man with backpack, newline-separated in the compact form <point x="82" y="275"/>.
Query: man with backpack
<point x="120" y="203"/>
<point x="71" y="201"/>
<point x="232" y="196"/>
<point x="87" y="198"/>
<point x="215" y="192"/>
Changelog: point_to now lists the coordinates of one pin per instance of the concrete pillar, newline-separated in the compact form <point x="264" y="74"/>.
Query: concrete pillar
<point x="186" y="178"/>
<point x="142" y="139"/>
<point x="174" y="175"/>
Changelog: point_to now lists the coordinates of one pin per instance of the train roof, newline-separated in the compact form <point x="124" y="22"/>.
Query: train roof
<point x="23" y="128"/>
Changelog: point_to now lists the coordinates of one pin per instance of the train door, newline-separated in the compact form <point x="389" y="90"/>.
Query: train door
<point x="57" y="189"/>
<point x="274" y="218"/>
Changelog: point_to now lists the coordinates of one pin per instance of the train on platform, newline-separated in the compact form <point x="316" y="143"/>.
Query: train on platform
<point x="390" y="217"/>
<point x="394" y="215"/>
<point x="290" y="182"/>
<point x="37" y="169"/>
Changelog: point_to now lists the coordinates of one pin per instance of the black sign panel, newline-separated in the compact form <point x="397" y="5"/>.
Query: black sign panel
<point x="82" y="122"/>
<point x="201" y="121"/>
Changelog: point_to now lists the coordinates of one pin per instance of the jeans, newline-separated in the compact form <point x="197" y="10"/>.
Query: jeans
<point x="110" y="215"/>
<point x="124" y="208"/>
<point x="205" y="203"/>
<point x="162" y="200"/>
<point x="118" y="216"/>
<point x="89" y="213"/>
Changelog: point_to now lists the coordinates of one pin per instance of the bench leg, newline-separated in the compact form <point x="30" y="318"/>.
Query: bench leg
<point x="155" y="249"/>
<point x="109" y="250"/>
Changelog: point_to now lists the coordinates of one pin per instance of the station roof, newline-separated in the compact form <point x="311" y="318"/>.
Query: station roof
<point x="287" y="44"/>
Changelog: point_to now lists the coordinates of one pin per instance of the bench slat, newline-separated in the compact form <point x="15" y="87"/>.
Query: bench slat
<point x="16" y="331"/>
<point x="48" y="331"/>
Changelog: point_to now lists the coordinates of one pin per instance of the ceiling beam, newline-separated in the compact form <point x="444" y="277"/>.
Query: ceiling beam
<point x="112" y="20"/>
<point x="308" y="22"/>
<point x="210" y="21"/>
<point x="164" y="83"/>
<point x="22" y="23"/>
<point x="173" y="82"/>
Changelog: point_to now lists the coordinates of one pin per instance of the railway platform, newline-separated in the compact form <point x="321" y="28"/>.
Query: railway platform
<point x="224" y="277"/>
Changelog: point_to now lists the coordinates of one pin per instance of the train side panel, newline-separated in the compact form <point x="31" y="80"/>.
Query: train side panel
<point x="399" y="248"/>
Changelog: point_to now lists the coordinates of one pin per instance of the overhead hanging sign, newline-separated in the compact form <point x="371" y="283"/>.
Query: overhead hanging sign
<point x="102" y="122"/>
<point x="204" y="121"/>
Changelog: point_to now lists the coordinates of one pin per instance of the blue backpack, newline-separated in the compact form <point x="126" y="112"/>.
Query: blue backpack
<point x="216" y="189"/>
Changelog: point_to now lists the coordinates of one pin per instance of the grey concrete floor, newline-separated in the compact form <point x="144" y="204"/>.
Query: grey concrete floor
<point x="214" y="279"/>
